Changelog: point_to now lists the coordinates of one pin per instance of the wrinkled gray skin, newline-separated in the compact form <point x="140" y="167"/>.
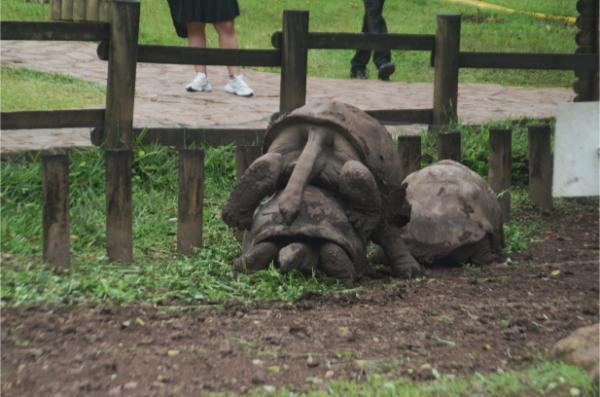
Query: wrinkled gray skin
<point x="455" y="216"/>
<point x="341" y="149"/>
<point x="320" y="237"/>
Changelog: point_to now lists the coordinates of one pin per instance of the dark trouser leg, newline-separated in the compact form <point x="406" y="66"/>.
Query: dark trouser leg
<point x="361" y="58"/>
<point x="376" y="24"/>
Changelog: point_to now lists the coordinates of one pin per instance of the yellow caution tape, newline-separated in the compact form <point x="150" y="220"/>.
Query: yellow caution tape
<point x="487" y="6"/>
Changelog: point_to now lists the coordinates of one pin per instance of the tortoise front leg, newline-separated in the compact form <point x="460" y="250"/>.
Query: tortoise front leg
<point x="256" y="258"/>
<point x="402" y="263"/>
<point x="482" y="252"/>
<point x="258" y="182"/>
<point x="298" y="256"/>
<point x="335" y="262"/>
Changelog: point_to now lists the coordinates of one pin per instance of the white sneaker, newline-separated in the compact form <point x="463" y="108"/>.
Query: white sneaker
<point x="238" y="86"/>
<point x="200" y="83"/>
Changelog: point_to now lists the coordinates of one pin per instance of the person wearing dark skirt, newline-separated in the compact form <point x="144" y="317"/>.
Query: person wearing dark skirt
<point x="190" y="18"/>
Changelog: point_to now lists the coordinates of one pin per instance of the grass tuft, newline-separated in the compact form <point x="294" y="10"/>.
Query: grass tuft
<point x="158" y="275"/>
<point x="547" y="378"/>
<point x="28" y="89"/>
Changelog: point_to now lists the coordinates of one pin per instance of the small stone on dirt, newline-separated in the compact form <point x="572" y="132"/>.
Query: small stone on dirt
<point x="130" y="385"/>
<point x="311" y="362"/>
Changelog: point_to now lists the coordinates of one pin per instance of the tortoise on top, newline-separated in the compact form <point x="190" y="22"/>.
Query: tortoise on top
<point x="341" y="149"/>
<point x="455" y="216"/>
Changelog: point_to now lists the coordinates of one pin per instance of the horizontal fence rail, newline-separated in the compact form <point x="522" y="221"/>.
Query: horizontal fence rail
<point x="364" y="41"/>
<point x="60" y="31"/>
<point x="200" y="56"/>
<point x="493" y="60"/>
<point x="182" y="137"/>
<point x="35" y="119"/>
<point x="402" y="116"/>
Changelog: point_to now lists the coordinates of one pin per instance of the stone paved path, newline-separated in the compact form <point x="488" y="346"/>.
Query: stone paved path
<point x="162" y="100"/>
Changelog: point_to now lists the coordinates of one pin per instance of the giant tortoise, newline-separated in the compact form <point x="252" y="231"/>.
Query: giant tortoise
<point x="455" y="216"/>
<point x="342" y="149"/>
<point x="320" y="236"/>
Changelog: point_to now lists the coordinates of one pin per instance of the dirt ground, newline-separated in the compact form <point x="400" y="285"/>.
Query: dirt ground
<point x="457" y="321"/>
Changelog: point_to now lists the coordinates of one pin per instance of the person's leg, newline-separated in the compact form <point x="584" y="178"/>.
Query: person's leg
<point x="361" y="57"/>
<point x="228" y="39"/>
<point x="376" y="24"/>
<point x="197" y="39"/>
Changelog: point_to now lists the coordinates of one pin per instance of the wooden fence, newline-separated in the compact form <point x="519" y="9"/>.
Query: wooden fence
<point x="114" y="124"/>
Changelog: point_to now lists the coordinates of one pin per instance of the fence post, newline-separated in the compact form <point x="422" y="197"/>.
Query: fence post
<point x="294" y="60"/>
<point x="66" y="10"/>
<point x="119" y="218"/>
<point x="191" y="200"/>
<point x="118" y="127"/>
<point x="55" y="9"/>
<point x="500" y="167"/>
<point x="449" y="146"/>
<point x="446" y="61"/>
<point x="79" y="10"/>
<point x="92" y="10"/>
<point x="409" y="148"/>
<point x="104" y="13"/>
<point x="55" y="218"/>
<point x="540" y="165"/>
<point x="122" y="59"/>
<point x="244" y="156"/>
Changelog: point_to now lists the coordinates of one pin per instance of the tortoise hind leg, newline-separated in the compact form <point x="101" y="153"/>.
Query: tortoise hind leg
<point x="256" y="258"/>
<point x="358" y="187"/>
<point x="259" y="181"/>
<point x="335" y="262"/>
<point x="298" y="256"/>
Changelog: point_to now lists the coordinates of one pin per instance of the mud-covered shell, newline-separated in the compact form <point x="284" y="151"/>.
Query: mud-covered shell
<point x="452" y="206"/>
<point x="321" y="217"/>
<point x="367" y="135"/>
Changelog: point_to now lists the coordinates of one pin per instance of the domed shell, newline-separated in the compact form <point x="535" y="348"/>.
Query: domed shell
<point x="321" y="217"/>
<point x="367" y="135"/>
<point x="451" y="206"/>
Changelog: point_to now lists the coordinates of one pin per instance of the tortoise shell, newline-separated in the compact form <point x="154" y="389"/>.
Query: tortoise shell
<point x="452" y="206"/>
<point x="321" y="217"/>
<point x="369" y="138"/>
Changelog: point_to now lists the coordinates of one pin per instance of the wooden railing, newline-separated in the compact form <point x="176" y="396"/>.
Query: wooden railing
<point x="114" y="124"/>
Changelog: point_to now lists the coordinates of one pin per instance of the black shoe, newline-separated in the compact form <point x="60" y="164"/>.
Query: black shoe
<point x="385" y="70"/>
<point x="360" y="74"/>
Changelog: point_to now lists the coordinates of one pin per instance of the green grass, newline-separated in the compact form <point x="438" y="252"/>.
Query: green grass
<point x="548" y="378"/>
<point x="481" y="31"/>
<point x="26" y="89"/>
<point x="158" y="275"/>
